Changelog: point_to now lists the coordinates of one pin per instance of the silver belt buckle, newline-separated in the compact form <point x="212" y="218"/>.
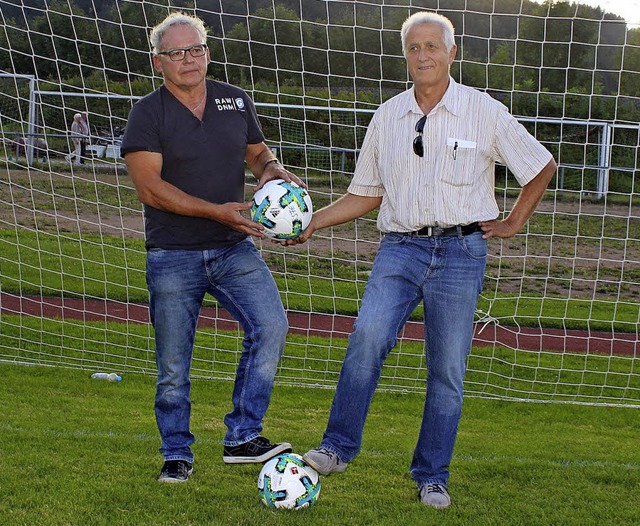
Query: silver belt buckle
<point x="431" y="231"/>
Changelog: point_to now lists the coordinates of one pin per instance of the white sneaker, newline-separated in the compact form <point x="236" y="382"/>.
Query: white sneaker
<point x="324" y="461"/>
<point x="435" y="495"/>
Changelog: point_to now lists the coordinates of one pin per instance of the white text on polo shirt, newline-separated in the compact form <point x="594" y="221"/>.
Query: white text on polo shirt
<point x="225" y="104"/>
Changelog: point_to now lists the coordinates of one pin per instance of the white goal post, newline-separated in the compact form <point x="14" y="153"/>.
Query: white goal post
<point x="558" y="318"/>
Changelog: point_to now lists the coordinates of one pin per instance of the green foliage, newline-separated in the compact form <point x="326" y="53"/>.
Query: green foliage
<point x="281" y="46"/>
<point x="345" y="55"/>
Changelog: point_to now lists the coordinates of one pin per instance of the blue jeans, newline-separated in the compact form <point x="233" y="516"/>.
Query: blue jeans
<point x="447" y="274"/>
<point x="242" y="283"/>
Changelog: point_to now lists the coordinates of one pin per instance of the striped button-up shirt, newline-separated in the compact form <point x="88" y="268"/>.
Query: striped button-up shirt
<point x="453" y="183"/>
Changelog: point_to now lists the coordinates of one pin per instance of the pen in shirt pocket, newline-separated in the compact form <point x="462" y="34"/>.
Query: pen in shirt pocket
<point x="460" y="144"/>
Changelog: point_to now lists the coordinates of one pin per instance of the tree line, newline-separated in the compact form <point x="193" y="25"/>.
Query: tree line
<point x="340" y="46"/>
<point x="555" y="59"/>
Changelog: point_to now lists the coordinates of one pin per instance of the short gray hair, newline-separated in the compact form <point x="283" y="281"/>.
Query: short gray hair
<point x="175" y="19"/>
<point x="426" y="17"/>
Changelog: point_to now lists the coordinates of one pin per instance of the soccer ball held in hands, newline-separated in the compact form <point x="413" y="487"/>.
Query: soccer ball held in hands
<point x="283" y="208"/>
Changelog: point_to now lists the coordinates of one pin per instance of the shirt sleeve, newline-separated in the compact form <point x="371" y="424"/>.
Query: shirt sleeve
<point x="520" y="151"/>
<point x="141" y="132"/>
<point x="254" y="130"/>
<point x="366" y="180"/>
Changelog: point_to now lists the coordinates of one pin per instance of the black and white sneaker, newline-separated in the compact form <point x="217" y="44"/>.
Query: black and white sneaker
<point x="175" y="471"/>
<point x="254" y="452"/>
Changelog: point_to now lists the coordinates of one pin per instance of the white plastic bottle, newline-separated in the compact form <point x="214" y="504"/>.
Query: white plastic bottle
<point x="111" y="377"/>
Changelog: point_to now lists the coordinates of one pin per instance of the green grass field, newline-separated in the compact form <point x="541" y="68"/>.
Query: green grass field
<point x="112" y="268"/>
<point x="528" y="277"/>
<point x="311" y="360"/>
<point x="77" y="451"/>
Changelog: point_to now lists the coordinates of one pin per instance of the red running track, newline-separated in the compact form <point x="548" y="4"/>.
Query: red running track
<point x="326" y="325"/>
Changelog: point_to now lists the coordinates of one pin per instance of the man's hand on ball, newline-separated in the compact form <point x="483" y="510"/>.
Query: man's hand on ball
<point x="230" y="215"/>
<point x="277" y="171"/>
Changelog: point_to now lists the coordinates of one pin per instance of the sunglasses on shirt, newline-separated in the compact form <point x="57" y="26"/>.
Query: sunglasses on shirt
<point x="418" y="147"/>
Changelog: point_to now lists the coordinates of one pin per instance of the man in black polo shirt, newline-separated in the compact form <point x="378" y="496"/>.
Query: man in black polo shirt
<point x="185" y="146"/>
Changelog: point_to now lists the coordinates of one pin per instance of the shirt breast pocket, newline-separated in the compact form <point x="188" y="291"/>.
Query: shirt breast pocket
<point x="459" y="168"/>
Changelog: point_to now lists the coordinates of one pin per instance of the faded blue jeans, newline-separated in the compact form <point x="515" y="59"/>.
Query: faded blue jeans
<point x="447" y="273"/>
<point x="242" y="283"/>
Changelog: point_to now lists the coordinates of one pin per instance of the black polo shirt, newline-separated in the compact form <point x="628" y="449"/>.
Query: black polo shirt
<point x="204" y="158"/>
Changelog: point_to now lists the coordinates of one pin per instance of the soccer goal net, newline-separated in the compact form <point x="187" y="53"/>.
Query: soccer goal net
<point x="558" y="316"/>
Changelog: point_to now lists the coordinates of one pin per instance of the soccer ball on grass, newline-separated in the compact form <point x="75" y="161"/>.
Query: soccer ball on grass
<point x="287" y="481"/>
<point x="283" y="208"/>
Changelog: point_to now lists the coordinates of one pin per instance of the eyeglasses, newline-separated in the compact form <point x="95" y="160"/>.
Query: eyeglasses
<point x="178" y="54"/>
<point x="418" y="147"/>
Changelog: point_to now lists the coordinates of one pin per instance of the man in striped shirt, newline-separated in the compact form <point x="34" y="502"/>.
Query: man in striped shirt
<point x="428" y="163"/>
